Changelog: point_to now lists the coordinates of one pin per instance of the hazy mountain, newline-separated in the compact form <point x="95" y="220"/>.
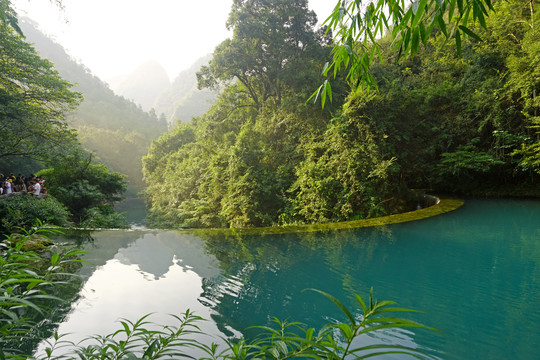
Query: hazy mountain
<point x="150" y="87"/>
<point x="143" y="85"/>
<point x="183" y="100"/>
<point x="115" y="128"/>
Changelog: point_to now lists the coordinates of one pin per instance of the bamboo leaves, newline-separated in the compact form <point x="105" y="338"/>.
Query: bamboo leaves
<point x="358" y="28"/>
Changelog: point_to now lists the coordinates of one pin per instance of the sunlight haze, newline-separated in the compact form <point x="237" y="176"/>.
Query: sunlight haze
<point x="114" y="37"/>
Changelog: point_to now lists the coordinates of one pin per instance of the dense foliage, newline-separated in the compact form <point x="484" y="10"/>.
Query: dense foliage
<point x="358" y="26"/>
<point x="461" y="124"/>
<point x="29" y="287"/>
<point x="34" y="99"/>
<point x="452" y="119"/>
<point x="234" y="165"/>
<point x="80" y="192"/>
<point x="23" y="211"/>
<point x="88" y="190"/>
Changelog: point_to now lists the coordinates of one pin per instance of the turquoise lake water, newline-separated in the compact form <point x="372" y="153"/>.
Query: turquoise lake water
<point x="474" y="272"/>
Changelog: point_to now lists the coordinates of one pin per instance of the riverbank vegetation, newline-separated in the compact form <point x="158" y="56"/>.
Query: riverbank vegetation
<point x="32" y="277"/>
<point x="80" y="193"/>
<point x="452" y="119"/>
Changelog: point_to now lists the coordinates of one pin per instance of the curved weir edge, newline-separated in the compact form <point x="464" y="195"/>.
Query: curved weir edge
<point x="444" y="205"/>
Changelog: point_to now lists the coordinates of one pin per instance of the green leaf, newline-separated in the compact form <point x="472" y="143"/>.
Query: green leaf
<point x="327" y="91"/>
<point x="415" y="6"/>
<point x="458" y="43"/>
<point x="423" y="34"/>
<point x="419" y="13"/>
<point x="460" y="6"/>
<point x="469" y="32"/>
<point x="362" y="303"/>
<point x="282" y="347"/>
<point x="127" y="329"/>
<point x="54" y="259"/>
<point x="309" y="333"/>
<point x="478" y="13"/>
<point x="316" y="94"/>
<point x="326" y="68"/>
<point x="407" y="41"/>
<point x="403" y="23"/>
<point x="451" y="9"/>
<point x="150" y="351"/>
<point x="466" y="15"/>
<point x="415" y="41"/>
<point x="274" y="352"/>
<point x="338" y="303"/>
<point x="346" y="331"/>
<point x="442" y="24"/>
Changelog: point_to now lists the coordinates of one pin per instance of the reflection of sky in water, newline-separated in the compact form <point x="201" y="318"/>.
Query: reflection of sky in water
<point x="153" y="253"/>
<point x="160" y="274"/>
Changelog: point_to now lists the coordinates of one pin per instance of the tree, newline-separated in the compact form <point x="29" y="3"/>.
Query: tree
<point x="269" y="37"/>
<point x="345" y="174"/>
<point x="88" y="190"/>
<point x="524" y="85"/>
<point x="233" y="165"/>
<point x="34" y="99"/>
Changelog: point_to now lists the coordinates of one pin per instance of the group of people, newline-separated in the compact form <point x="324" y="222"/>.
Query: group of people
<point x="31" y="184"/>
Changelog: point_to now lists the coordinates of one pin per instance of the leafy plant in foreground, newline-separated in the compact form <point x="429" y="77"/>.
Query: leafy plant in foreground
<point x="145" y="340"/>
<point x="28" y="282"/>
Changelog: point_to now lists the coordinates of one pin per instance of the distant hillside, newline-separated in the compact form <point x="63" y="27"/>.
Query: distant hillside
<point x="115" y="128"/>
<point x="150" y="87"/>
<point x="143" y="85"/>
<point x="183" y="100"/>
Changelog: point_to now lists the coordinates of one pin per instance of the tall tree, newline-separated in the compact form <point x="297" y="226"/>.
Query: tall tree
<point x="269" y="37"/>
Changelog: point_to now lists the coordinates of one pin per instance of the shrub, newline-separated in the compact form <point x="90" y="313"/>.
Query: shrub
<point x="146" y="340"/>
<point x="28" y="285"/>
<point x="103" y="216"/>
<point x="24" y="211"/>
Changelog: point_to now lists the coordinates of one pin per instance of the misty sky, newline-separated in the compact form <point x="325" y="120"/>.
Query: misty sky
<point x="113" y="37"/>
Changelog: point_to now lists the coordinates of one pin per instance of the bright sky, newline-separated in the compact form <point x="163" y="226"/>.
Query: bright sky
<point x="113" y="37"/>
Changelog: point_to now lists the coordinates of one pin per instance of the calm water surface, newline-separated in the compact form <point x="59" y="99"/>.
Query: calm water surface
<point x="474" y="272"/>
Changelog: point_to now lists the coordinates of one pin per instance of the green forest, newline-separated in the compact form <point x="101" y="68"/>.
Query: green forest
<point x="454" y="117"/>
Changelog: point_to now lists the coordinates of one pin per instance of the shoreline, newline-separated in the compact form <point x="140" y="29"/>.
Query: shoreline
<point x="443" y="206"/>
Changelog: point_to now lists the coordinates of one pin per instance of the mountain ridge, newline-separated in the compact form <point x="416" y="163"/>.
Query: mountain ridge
<point x="116" y="129"/>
